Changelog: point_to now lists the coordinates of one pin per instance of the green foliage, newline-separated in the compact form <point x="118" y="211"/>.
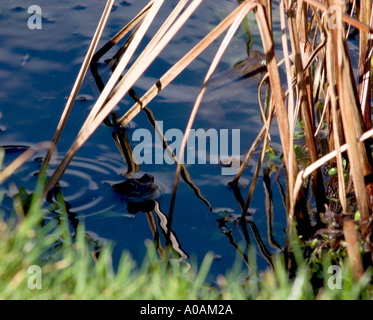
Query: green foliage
<point x="272" y="155"/>
<point x="334" y="170"/>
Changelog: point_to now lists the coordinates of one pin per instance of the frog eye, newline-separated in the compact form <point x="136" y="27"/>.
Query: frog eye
<point x="131" y="187"/>
<point x="147" y="178"/>
<point x="125" y="187"/>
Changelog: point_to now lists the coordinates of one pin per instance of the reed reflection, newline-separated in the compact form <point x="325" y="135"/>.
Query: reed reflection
<point x="149" y="205"/>
<point x="152" y="208"/>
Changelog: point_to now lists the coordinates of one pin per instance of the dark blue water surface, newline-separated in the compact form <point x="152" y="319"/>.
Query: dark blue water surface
<point x="37" y="72"/>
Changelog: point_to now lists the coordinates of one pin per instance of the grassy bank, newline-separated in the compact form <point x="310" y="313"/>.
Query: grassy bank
<point x="72" y="266"/>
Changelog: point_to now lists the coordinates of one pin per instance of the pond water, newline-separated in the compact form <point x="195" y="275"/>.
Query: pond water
<point x="37" y="71"/>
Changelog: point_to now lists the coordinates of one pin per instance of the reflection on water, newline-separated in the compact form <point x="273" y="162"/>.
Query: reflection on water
<point x="37" y="69"/>
<point x="148" y="207"/>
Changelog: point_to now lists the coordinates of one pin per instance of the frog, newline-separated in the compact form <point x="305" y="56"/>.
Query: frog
<point x="229" y="90"/>
<point x="138" y="189"/>
<point x="252" y="65"/>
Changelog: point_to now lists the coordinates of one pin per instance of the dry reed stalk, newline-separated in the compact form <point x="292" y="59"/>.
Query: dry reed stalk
<point x="78" y="82"/>
<point x="261" y="107"/>
<point x="275" y="82"/>
<point x="291" y="118"/>
<point x="319" y="76"/>
<point x="249" y="154"/>
<point x="345" y="18"/>
<point x="326" y="103"/>
<point x="365" y="14"/>
<point x="123" y="32"/>
<point x="365" y="85"/>
<point x="304" y="43"/>
<point x="306" y="107"/>
<point x="269" y="13"/>
<point x="137" y="69"/>
<point x="337" y="147"/>
<point x="352" y="122"/>
<point x="300" y="211"/>
<point x="155" y="46"/>
<point x="21" y="159"/>
<point x="171" y="18"/>
<point x="258" y="166"/>
<point x="2" y="154"/>
<point x="245" y="8"/>
<point x="117" y="74"/>
<point x="178" y="67"/>
<point x="353" y="251"/>
<point x="351" y="13"/>
<point x="336" y="127"/>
